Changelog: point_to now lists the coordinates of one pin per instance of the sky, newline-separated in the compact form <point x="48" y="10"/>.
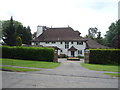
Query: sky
<point x="78" y="14"/>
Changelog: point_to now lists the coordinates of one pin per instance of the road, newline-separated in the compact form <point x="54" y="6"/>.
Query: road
<point x="69" y="75"/>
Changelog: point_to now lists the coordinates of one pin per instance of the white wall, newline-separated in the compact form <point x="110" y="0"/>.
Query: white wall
<point x="62" y="47"/>
<point x="39" y="30"/>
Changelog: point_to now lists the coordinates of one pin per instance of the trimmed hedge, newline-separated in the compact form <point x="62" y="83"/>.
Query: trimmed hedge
<point x="28" y="53"/>
<point x="104" y="56"/>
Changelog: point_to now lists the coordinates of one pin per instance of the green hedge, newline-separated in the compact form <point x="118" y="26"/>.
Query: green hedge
<point x="104" y="56"/>
<point x="28" y="53"/>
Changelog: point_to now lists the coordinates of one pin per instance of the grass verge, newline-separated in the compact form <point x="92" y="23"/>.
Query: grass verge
<point x="27" y="63"/>
<point x="17" y="69"/>
<point x="98" y="67"/>
<point x="113" y="74"/>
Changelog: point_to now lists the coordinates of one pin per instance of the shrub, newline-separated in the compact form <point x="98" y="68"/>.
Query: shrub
<point x="62" y="56"/>
<point x="104" y="56"/>
<point x="80" y="56"/>
<point x="28" y="53"/>
<point x="18" y="41"/>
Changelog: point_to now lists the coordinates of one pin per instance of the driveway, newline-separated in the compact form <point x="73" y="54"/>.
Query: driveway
<point x="68" y="75"/>
<point x="72" y="68"/>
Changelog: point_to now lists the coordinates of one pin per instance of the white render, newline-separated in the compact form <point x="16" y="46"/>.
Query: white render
<point x="39" y="30"/>
<point x="62" y="47"/>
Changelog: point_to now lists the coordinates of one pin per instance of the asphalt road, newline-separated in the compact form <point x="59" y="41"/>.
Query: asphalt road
<point x="69" y="75"/>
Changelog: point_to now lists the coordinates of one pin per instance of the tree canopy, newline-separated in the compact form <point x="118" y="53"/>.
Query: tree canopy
<point x="112" y="37"/>
<point x="12" y="30"/>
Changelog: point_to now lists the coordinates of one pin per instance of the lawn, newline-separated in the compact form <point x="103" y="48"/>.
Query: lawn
<point x="27" y="63"/>
<point x="18" y="69"/>
<point x="98" y="67"/>
<point x="113" y="74"/>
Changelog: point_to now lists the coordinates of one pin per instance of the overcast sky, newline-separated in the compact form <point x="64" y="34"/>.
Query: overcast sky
<point x="78" y="14"/>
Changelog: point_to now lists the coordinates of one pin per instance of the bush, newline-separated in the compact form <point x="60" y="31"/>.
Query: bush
<point x="18" y="41"/>
<point x="62" y="56"/>
<point x="80" y="56"/>
<point x="28" y="53"/>
<point x="104" y="56"/>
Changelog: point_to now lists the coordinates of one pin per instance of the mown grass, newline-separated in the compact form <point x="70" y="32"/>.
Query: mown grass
<point x="98" y="67"/>
<point x="27" y="63"/>
<point x="113" y="74"/>
<point x="18" y="69"/>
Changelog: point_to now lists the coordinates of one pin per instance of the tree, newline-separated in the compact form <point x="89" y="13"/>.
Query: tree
<point x="18" y="41"/>
<point x="20" y="31"/>
<point x="27" y="36"/>
<point x="92" y="32"/>
<point x="112" y="37"/>
<point x="9" y="34"/>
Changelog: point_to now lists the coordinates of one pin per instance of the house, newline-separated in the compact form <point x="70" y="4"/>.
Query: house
<point x="67" y="40"/>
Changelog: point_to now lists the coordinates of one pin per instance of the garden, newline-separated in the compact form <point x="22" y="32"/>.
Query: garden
<point x="37" y="57"/>
<point x="104" y="60"/>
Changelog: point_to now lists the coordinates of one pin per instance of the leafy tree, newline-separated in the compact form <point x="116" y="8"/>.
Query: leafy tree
<point x="9" y="34"/>
<point x="18" y="41"/>
<point x="112" y="37"/>
<point x="34" y="34"/>
<point x="92" y="32"/>
<point x="27" y="36"/>
<point x="20" y="31"/>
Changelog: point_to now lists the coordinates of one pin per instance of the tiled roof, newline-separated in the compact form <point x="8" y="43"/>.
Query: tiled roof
<point x="60" y="34"/>
<point x="92" y="44"/>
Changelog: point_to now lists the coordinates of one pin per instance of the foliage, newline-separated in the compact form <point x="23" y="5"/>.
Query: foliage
<point x="9" y="34"/>
<point x="28" y="53"/>
<point x="62" y="56"/>
<point x="104" y="56"/>
<point x="18" y="41"/>
<point x="80" y="56"/>
<point x="112" y="37"/>
<point x="19" y="30"/>
<point x="29" y="63"/>
<point x="98" y="67"/>
<point x="94" y="34"/>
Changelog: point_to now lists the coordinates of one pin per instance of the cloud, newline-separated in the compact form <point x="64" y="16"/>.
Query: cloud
<point x="79" y="14"/>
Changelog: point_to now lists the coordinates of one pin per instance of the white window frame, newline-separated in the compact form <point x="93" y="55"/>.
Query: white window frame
<point x="66" y="45"/>
<point x="80" y="52"/>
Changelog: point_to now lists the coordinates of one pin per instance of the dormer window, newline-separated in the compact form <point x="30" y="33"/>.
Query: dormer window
<point x="80" y="43"/>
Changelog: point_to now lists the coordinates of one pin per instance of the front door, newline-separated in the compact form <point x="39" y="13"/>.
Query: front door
<point x="72" y="53"/>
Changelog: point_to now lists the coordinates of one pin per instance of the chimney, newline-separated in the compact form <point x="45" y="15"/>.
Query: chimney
<point x="39" y="30"/>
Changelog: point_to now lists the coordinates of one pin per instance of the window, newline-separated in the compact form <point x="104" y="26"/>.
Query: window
<point x="79" y="51"/>
<point x="36" y="43"/>
<point x="53" y="42"/>
<point x="71" y="42"/>
<point x="46" y="42"/>
<point x="60" y="42"/>
<point x="60" y="50"/>
<point x="80" y="43"/>
<point x="66" y="45"/>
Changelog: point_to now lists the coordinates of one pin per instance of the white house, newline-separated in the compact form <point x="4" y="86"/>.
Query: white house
<point x="66" y="39"/>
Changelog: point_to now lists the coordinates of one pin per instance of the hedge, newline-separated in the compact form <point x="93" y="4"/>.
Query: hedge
<point x="28" y="53"/>
<point x="104" y="56"/>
